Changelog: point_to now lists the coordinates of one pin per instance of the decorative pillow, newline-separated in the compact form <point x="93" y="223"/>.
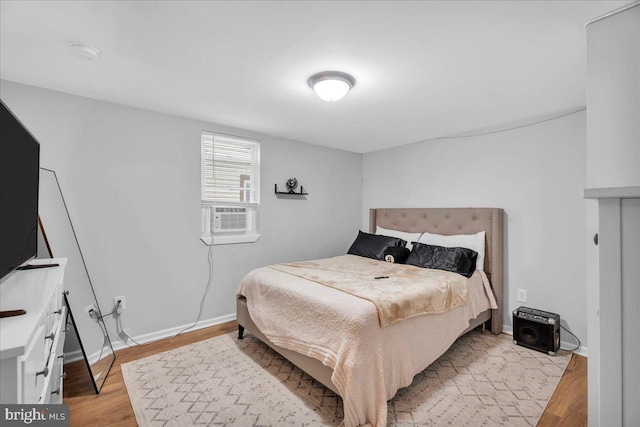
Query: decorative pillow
<point x="372" y="245"/>
<point x="471" y="241"/>
<point x="396" y="254"/>
<point x="409" y="237"/>
<point x="456" y="260"/>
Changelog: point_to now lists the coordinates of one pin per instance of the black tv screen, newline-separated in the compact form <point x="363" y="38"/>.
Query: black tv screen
<point x="19" y="176"/>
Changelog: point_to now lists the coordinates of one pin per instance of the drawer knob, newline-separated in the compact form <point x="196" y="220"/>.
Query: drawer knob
<point x="65" y="292"/>
<point x="50" y="336"/>
<point x="44" y="372"/>
<point x="56" y="391"/>
<point x="63" y="375"/>
<point x="58" y="311"/>
<point x="61" y="356"/>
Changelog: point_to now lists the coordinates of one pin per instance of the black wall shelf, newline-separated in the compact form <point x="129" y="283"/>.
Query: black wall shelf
<point x="292" y="192"/>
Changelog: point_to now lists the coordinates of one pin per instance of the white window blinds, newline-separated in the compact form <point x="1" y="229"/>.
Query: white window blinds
<point x="230" y="170"/>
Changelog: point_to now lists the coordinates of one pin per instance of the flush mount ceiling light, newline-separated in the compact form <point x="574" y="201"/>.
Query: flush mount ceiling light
<point x="84" y="51"/>
<point x="331" y="85"/>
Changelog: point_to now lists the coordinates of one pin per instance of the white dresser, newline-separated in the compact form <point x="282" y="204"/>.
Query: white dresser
<point x="31" y="358"/>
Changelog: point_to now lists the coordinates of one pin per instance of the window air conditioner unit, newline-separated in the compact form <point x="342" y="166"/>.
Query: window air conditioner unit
<point x="228" y="219"/>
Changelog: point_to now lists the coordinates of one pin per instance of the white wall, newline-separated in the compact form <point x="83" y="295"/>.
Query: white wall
<point x="613" y="97"/>
<point x="131" y="178"/>
<point x="537" y="174"/>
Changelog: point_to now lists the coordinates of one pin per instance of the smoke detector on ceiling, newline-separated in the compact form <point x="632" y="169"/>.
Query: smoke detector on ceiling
<point x="84" y="51"/>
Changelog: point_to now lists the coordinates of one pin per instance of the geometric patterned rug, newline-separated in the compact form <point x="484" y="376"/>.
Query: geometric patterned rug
<point x="482" y="380"/>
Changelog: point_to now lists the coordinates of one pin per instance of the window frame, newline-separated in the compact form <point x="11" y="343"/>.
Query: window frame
<point x="208" y="236"/>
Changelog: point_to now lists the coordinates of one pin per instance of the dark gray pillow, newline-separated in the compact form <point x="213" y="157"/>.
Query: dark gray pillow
<point x="456" y="260"/>
<point x="373" y="245"/>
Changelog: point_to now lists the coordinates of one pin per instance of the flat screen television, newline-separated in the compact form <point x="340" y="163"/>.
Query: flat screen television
<point x="19" y="176"/>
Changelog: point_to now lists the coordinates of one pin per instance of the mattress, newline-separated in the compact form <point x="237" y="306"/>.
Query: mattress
<point x="369" y="362"/>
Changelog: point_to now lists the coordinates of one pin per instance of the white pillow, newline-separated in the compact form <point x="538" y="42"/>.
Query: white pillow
<point x="408" y="237"/>
<point x="470" y="241"/>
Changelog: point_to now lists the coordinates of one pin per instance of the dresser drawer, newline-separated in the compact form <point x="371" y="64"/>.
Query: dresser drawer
<point x="53" y="391"/>
<point x="56" y="389"/>
<point x="52" y="388"/>
<point x="55" y="315"/>
<point x="61" y="333"/>
<point x="34" y="366"/>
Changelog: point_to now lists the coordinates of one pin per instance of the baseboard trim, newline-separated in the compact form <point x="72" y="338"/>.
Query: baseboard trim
<point x="153" y="336"/>
<point x="582" y="351"/>
<point x="72" y="356"/>
<point x="166" y="333"/>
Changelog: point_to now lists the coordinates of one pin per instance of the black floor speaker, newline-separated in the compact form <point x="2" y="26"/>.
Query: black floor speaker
<point x="536" y="329"/>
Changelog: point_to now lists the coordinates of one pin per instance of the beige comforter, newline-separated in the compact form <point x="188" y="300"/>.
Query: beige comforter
<point x="342" y="331"/>
<point x="399" y="291"/>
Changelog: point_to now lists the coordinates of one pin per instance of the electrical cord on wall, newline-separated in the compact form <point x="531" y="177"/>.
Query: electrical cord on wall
<point x="206" y="291"/>
<point x="101" y="325"/>
<point x="120" y="327"/>
<point x="120" y="330"/>
<point x="105" y="339"/>
<point x="577" y="339"/>
<point x="98" y="316"/>
<point x="94" y="314"/>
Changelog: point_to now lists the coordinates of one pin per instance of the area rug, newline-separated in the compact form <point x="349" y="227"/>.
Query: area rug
<point x="482" y="380"/>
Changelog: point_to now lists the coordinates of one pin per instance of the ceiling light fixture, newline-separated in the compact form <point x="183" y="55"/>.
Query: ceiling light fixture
<point x="331" y="86"/>
<point x="84" y="51"/>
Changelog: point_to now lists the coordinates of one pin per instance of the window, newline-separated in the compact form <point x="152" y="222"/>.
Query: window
<point x="230" y="188"/>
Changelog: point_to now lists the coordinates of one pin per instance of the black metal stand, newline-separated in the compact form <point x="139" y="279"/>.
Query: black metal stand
<point x="84" y="353"/>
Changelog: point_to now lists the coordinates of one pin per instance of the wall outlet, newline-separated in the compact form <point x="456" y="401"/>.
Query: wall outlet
<point x="522" y="295"/>
<point x="89" y="308"/>
<point x="122" y="304"/>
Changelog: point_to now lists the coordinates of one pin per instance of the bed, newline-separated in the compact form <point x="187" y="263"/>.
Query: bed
<point x="335" y="337"/>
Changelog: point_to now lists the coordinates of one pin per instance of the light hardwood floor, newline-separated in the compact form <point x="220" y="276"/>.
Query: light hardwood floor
<point x="567" y="407"/>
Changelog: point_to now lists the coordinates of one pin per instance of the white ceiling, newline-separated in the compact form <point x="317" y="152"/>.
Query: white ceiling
<point x="422" y="69"/>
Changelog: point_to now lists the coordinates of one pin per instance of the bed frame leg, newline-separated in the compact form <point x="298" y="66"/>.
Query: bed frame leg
<point x="483" y="326"/>
<point x="240" y="332"/>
